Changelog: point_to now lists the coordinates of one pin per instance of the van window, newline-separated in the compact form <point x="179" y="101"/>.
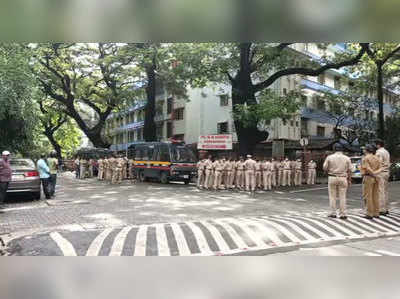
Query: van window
<point x="164" y="153"/>
<point x="182" y="154"/>
<point x="150" y="153"/>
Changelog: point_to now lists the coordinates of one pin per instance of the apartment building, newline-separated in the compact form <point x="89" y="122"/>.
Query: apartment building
<point x="209" y="110"/>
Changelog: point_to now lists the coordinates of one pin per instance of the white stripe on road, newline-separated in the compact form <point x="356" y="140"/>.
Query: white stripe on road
<point x="339" y="226"/>
<point x="95" y="246"/>
<point x="162" y="242"/>
<point x="306" y="225"/>
<point x="233" y="234"/>
<point x="119" y="241"/>
<point x="200" y="238"/>
<point x="320" y="223"/>
<point x="372" y="254"/>
<point x="385" y="252"/>
<point x="183" y="247"/>
<point x="250" y="233"/>
<point x="269" y="233"/>
<point x="395" y="228"/>
<point x="297" y="228"/>
<point x="280" y="228"/>
<point x="216" y="234"/>
<point x="141" y="241"/>
<point x="64" y="245"/>
<point x="371" y="223"/>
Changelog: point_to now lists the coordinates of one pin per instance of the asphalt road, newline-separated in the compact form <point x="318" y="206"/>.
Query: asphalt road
<point x="95" y="218"/>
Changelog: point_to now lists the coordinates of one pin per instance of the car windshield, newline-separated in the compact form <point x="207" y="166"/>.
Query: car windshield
<point x="22" y="164"/>
<point x="355" y="160"/>
<point x="182" y="154"/>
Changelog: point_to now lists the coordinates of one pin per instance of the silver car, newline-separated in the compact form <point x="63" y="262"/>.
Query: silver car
<point x="25" y="177"/>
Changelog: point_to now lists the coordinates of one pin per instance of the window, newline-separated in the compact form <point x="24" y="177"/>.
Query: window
<point x="304" y="100"/>
<point x="321" y="79"/>
<point x="159" y="131"/>
<point x="284" y="122"/>
<point x="297" y="124"/>
<point x="268" y="122"/>
<point x="372" y="115"/>
<point x="164" y="153"/>
<point x="169" y="105"/>
<point x="321" y="104"/>
<point x="285" y="91"/>
<point x="140" y="134"/>
<point x="178" y="113"/>
<point x="292" y="123"/>
<point x="182" y="154"/>
<point x="223" y="128"/>
<point x="337" y="83"/>
<point x="320" y="131"/>
<point x="224" y="100"/>
<point x="169" y="129"/>
<point x="150" y="152"/>
<point x="159" y="108"/>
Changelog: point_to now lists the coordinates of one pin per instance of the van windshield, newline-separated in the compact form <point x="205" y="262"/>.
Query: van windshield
<point x="182" y="154"/>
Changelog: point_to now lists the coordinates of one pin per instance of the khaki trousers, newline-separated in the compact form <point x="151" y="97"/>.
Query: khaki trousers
<point x="208" y="181"/>
<point x="311" y="176"/>
<point x="273" y="178"/>
<point x="250" y="180"/>
<point x="383" y="184"/>
<point x="286" y="177"/>
<point x="280" y="178"/>
<point x="100" y="174"/>
<point x="124" y="172"/>
<point x="229" y="179"/>
<point x="200" y="178"/>
<point x="298" y="178"/>
<point x="258" y="179"/>
<point x="337" y="187"/>
<point x="232" y="178"/>
<point x="217" y="179"/>
<point x="240" y="179"/>
<point x="267" y="175"/>
<point x="371" y="195"/>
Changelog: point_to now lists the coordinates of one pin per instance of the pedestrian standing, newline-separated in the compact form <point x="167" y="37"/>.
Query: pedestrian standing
<point x="5" y="175"/>
<point x="240" y="175"/>
<point x="229" y="168"/>
<point x="113" y="168"/>
<point x="90" y="167"/>
<point x="250" y="172"/>
<point x="208" y="171"/>
<point x="286" y="172"/>
<point x="298" y="180"/>
<point x="292" y="176"/>
<point x="83" y="165"/>
<point x="312" y="172"/>
<point x="267" y="174"/>
<point x="77" y="167"/>
<point x="100" y="166"/>
<point x="44" y="174"/>
<point x="218" y="167"/>
<point x="200" y="173"/>
<point x="339" y="168"/>
<point x="53" y="166"/>
<point x="274" y="170"/>
<point x="280" y="172"/>
<point x="383" y="177"/>
<point x="258" y="174"/>
<point x="370" y="169"/>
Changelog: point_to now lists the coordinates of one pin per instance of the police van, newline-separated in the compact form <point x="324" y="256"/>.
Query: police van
<point x="163" y="161"/>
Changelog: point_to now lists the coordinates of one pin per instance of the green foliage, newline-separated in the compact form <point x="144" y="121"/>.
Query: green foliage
<point x="270" y="106"/>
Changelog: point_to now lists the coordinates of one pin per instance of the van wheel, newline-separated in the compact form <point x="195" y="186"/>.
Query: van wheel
<point x="186" y="182"/>
<point x="142" y="177"/>
<point x="164" y="178"/>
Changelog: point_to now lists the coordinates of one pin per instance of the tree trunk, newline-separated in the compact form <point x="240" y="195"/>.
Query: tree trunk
<point x="242" y="92"/>
<point x="381" y="117"/>
<point x="54" y="143"/>
<point x="150" y="128"/>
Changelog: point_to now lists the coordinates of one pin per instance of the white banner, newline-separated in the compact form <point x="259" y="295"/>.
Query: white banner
<point x="215" y="142"/>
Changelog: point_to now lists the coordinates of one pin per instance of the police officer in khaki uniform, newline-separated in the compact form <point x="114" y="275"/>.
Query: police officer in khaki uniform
<point x="370" y="169"/>
<point x="267" y="174"/>
<point x="258" y="174"/>
<point x="292" y="176"/>
<point x="240" y="176"/>
<point x="119" y="169"/>
<point x="83" y="168"/>
<point x="286" y="172"/>
<point x="312" y="172"/>
<point x="250" y="172"/>
<point x="208" y="171"/>
<point x="339" y="169"/>
<point x="111" y="168"/>
<point x="383" y="177"/>
<point x="100" y="174"/>
<point x="229" y="168"/>
<point x="200" y="173"/>
<point x="218" y="166"/>
<point x="274" y="169"/>
<point x="298" y="179"/>
<point x="280" y="172"/>
<point x="124" y="168"/>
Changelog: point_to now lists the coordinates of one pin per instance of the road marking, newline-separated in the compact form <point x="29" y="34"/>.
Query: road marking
<point x="270" y="234"/>
<point x="216" y="234"/>
<point x="119" y="242"/>
<point x="162" y="242"/>
<point x="95" y="246"/>
<point x="372" y="224"/>
<point x="200" y="238"/>
<point x="234" y="235"/>
<point x="242" y="223"/>
<point x="385" y="252"/>
<point x="180" y="240"/>
<point x="341" y="227"/>
<point x="372" y="254"/>
<point x="316" y="231"/>
<point x="307" y="190"/>
<point x="320" y="223"/>
<point x="141" y="241"/>
<point x="280" y="228"/>
<point x="297" y="228"/>
<point x="64" y="245"/>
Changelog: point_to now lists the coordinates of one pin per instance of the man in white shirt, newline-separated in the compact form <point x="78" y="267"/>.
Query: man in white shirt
<point x="383" y="177"/>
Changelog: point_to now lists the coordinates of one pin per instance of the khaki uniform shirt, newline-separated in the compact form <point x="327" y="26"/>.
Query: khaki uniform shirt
<point x="338" y="164"/>
<point x="267" y="166"/>
<point x="384" y="157"/>
<point x="240" y="165"/>
<point x="369" y="164"/>
<point x="299" y="166"/>
<point x="208" y="164"/>
<point x="250" y="164"/>
<point x="286" y="165"/>
<point x="229" y="166"/>
<point x="219" y="165"/>
<point x="258" y="166"/>
<point x="312" y="165"/>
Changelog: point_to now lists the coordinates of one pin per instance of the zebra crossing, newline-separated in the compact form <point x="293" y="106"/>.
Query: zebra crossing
<point x="227" y="236"/>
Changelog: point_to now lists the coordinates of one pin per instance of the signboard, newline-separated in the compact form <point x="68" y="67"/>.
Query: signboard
<point x="215" y="142"/>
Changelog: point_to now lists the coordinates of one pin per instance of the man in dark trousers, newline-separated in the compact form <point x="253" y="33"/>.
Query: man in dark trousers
<point x="5" y="175"/>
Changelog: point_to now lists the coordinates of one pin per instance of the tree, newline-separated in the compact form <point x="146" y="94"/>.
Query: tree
<point x="85" y="77"/>
<point x="392" y="134"/>
<point x="17" y="119"/>
<point x="251" y="68"/>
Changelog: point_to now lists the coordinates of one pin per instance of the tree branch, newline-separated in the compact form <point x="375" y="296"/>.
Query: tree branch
<point x="262" y="60"/>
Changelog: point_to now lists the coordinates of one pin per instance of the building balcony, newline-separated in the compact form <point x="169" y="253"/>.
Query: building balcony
<point x="308" y="84"/>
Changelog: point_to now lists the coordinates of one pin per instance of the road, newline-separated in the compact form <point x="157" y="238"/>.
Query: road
<point x="95" y="218"/>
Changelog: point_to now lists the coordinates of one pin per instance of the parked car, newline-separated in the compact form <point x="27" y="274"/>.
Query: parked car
<point x="394" y="172"/>
<point x="25" y="178"/>
<point x="356" y="174"/>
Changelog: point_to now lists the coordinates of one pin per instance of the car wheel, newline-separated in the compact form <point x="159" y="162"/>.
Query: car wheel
<point x="164" y="178"/>
<point x="186" y="182"/>
<point x="36" y="195"/>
